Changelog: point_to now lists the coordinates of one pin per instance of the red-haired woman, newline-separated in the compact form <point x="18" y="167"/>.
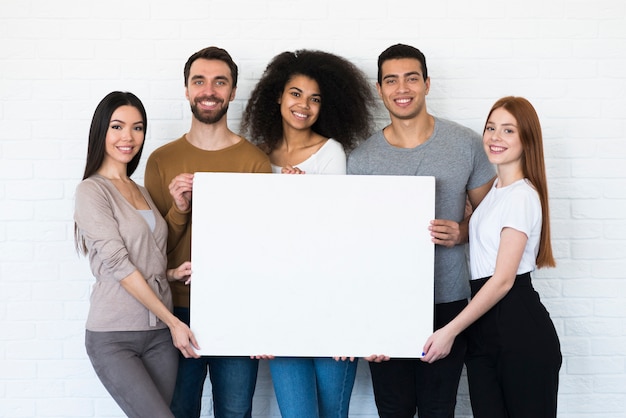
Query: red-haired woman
<point x="514" y="355"/>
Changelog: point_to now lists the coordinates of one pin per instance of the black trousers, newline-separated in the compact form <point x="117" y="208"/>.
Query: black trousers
<point x="403" y="385"/>
<point x="513" y="356"/>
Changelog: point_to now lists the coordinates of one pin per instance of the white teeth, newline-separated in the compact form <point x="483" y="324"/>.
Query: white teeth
<point x="497" y="149"/>
<point x="125" y="148"/>
<point x="209" y="103"/>
<point x="299" y="115"/>
<point x="403" y="101"/>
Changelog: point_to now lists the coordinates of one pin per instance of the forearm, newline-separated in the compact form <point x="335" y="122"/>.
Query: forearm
<point x="512" y="243"/>
<point x="137" y="287"/>
<point x="489" y="295"/>
<point x="509" y="255"/>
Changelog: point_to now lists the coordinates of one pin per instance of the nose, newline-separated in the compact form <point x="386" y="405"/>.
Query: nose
<point x="127" y="134"/>
<point x="402" y="85"/>
<point x="303" y="102"/>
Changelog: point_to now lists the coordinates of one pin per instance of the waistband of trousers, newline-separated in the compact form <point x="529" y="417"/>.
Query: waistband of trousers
<point x="521" y="280"/>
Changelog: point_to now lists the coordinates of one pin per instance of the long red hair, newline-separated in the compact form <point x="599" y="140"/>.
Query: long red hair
<point x="533" y="164"/>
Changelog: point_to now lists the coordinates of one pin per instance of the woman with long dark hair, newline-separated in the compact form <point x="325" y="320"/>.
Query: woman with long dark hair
<point x="131" y="335"/>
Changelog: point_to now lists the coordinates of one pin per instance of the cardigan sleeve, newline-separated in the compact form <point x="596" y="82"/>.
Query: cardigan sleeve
<point x="95" y="218"/>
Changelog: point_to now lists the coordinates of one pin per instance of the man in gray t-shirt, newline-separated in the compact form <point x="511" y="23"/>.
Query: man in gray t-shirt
<point x="419" y="144"/>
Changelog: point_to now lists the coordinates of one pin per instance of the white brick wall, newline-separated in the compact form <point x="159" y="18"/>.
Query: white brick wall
<point x="59" y="58"/>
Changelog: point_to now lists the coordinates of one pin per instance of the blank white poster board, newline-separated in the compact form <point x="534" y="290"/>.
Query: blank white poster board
<point x="312" y="265"/>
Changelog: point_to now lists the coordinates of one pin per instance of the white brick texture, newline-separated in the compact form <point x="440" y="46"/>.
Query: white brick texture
<point x="59" y="58"/>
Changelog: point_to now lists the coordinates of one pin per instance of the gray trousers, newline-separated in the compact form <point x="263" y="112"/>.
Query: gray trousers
<point x="138" y="368"/>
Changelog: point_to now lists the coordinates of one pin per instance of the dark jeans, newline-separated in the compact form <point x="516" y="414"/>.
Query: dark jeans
<point x="402" y="386"/>
<point x="233" y="380"/>
<point x="513" y="356"/>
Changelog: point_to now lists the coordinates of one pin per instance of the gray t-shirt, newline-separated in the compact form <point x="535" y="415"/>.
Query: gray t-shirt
<point x="454" y="155"/>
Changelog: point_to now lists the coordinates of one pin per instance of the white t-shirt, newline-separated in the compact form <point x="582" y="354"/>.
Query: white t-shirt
<point x="515" y="206"/>
<point x="329" y="159"/>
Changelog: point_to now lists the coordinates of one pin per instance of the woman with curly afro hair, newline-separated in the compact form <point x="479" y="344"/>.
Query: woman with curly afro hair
<point x="308" y="109"/>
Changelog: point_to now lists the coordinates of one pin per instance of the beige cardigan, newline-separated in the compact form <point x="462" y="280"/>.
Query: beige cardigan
<point x="119" y="241"/>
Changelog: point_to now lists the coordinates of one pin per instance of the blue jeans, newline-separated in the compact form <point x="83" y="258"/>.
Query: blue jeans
<point x="313" y="387"/>
<point x="233" y="380"/>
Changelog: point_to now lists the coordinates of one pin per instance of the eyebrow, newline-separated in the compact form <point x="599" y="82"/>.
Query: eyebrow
<point x="121" y="121"/>
<point x="403" y="75"/>
<point x="202" y="77"/>
<point x="300" y="91"/>
<point x="489" y="122"/>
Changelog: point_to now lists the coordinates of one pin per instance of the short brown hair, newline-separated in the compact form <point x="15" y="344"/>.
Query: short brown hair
<point x="213" y="53"/>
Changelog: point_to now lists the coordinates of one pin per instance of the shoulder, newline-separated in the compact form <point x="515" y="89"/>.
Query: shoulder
<point x="523" y="191"/>
<point x="93" y="193"/>
<point x="518" y="200"/>
<point x="168" y="148"/>
<point x="366" y="145"/>
<point x="248" y="147"/>
<point x="455" y="130"/>
<point x="332" y="146"/>
<point x="361" y="158"/>
<point x="91" y="185"/>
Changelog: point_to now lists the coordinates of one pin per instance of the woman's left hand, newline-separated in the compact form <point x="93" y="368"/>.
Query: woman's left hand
<point x="438" y="345"/>
<point x="343" y="358"/>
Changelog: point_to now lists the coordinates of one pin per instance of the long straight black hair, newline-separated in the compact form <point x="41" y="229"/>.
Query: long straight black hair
<point x="100" y="125"/>
<point x="97" y="141"/>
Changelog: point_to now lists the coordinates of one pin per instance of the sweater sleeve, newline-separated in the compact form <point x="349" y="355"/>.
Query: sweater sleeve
<point x="153" y="183"/>
<point x="97" y="227"/>
<point x="177" y="221"/>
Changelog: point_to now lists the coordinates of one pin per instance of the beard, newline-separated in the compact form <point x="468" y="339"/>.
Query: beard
<point x="210" y="117"/>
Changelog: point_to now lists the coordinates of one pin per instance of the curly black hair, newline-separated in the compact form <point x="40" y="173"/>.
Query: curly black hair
<point x="347" y="99"/>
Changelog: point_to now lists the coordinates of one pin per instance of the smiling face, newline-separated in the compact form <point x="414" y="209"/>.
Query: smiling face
<point x="300" y="102"/>
<point x="403" y="88"/>
<point x="501" y="138"/>
<point x="209" y="90"/>
<point x="124" y="136"/>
